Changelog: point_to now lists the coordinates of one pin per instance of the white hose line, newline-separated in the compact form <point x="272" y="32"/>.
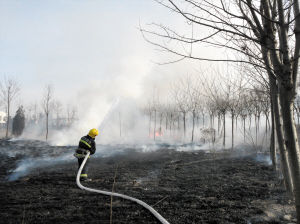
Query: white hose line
<point x="145" y="205"/>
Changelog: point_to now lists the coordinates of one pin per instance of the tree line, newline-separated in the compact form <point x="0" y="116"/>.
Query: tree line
<point x="49" y="112"/>
<point x="195" y="105"/>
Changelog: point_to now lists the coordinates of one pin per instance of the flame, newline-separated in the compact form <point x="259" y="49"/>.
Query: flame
<point x="157" y="134"/>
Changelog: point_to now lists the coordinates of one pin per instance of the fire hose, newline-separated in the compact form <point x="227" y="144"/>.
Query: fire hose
<point x="145" y="205"/>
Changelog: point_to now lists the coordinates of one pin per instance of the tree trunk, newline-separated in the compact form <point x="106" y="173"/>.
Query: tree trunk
<point x="154" y="131"/>
<point x="266" y="124"/>
<point x="219" y="123"/>
<point x="244" y="120"/>
<point x="160" y="121"/>
<point x="232" y="131"/>
<point x="8" y="116"/>
<point x="272" y="140"/>
<point x="166" y="121"/>
<point x="291" y="141"/>
<point x="256" y="128"/>
<point x="170" y="122"/>
<point x="280" y="139"/>
<point x="224" y="129"/>
<point x="193" y="126"/>
<point x="150" y="125"/>
<point x="285" y="166"/>
<point x="184" y="127"/>
<point x="258" y="122"/>
<point x="47" y="128"/>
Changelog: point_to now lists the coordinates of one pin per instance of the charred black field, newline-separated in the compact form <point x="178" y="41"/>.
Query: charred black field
<point x="184" y="187"/>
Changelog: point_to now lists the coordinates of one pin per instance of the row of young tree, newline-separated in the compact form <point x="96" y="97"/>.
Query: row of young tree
<point x="262" y="34"/>
<point x="207" y="106"/>
<point x="49" y="111"/>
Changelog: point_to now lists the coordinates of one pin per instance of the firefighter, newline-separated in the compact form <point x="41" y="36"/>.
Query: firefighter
<point x="86" y="143"/>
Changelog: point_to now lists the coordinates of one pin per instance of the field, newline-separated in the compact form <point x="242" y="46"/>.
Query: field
<point x="183" y="186"/>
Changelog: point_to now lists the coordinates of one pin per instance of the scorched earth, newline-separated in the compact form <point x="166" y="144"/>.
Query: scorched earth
<point x="185" y="186"/>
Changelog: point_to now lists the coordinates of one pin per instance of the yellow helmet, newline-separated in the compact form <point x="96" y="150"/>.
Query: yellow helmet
<point x="93" y="132"/>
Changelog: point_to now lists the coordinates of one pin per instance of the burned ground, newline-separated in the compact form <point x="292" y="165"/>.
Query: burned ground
<point x="184" y="187"/>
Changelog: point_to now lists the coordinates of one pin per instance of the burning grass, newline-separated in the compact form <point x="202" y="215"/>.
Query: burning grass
<point x="185" y="187"/>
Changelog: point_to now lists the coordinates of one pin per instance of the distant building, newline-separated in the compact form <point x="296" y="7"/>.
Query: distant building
<point x="3" y="117"/>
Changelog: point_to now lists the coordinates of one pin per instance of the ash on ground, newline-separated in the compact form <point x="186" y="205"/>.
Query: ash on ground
<point x="184" y="187"/>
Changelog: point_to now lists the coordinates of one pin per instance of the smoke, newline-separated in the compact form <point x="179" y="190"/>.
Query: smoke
<point x="263" y="158"/>
<point x="26" y="166"/>
<point x="96" y="116"/>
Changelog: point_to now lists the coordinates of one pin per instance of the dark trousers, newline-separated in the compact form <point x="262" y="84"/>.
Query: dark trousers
<point x="85" y="168"/>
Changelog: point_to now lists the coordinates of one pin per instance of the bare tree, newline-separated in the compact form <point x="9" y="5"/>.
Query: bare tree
<point x="9" y="90"/>
<point x="155" y="106"/>
<point x="267" y="34"/>
<point x="188" y="91"/>
<point x="36" y="113"/>
<point x="71" y="114"/>
<point x="180" y="94"/>
<point x="46" y="105"/>
<point x="243" y="112"/>
<point x="57" y="109"/>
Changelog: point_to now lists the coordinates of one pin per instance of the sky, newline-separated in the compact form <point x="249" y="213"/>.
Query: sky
<point x="90" y="51"/>
<point x="76" y="45"/>
<point x="73" y="44"/>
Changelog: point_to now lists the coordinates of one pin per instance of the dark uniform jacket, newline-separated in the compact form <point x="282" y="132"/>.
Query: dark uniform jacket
<point x="86" y="143"/>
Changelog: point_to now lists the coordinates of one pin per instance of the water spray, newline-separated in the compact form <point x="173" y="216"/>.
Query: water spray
<point x="112" y="107"/>
<point x="145" y="205"/>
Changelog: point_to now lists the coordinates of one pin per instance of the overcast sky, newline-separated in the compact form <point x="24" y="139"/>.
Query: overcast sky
<point x="82" y="47"/>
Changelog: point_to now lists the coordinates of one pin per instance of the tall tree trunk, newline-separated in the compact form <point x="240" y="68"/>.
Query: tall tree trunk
<point x="154" y="130"/>
<point x="256" y="130"/>
<point x="160" y="121"/>
<point x="170" y="122"/>
<point x="280" y="138"/>
<point x="274" y="91"/>
<point x="150" y="118"/>
<point x="184" y="125"/>
<point x="193" y="128"/>
<point x="8" y="116"/>
<point x="244" y="120"/>
<point x="266" y="124"/>
<point x="258" y="122"/>
<point x="47" y="127"/>
<point x="272" y="140"/>
<point x="291" y="141"/>
<point x="166" y="121"/>
<point x="224" y="129"/>
<point x="219" y="123"/>
<point x="232" y="131"/>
